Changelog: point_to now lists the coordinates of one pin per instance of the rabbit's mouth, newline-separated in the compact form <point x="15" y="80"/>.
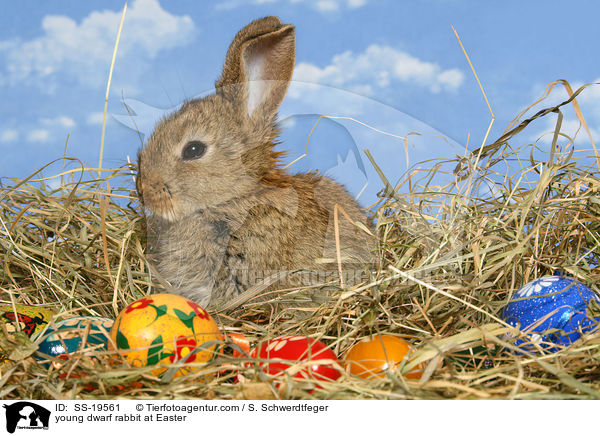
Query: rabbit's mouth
<point x="166" y="212"/>
<point x="167" y="215"/>
<point x="159" y="201"/>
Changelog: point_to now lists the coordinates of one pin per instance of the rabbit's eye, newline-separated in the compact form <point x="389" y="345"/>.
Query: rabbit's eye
<point x="193" y="150"/>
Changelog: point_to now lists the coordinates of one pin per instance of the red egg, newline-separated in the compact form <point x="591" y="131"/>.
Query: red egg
<point x="299" y="356"/>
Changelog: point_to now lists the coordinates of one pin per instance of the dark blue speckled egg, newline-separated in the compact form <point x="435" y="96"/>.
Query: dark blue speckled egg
<point x="557" y="303"/>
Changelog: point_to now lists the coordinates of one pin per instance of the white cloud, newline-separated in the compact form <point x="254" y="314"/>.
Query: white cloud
<point x="84" y="50"/>
<point x="38" y="135"/>
<point x="570" y="127"/>
<point x="588" y="98"/>
<point x="574" y="129"/>
<point x="336" y="5"/>
<point x="452" y="79"/>
<point x="327" y="5"/>
<point x="379" y="66"/>
<point x="95" y="118"/>
<point x="9" y="135"/>
<point x="589" y="103"/>
<point x="62" y="121"/>
<point x="54" y="183"/>
<point x="324" y="6"/>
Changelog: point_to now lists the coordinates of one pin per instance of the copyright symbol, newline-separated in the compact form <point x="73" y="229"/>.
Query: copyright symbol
<point x="139" y="407"/>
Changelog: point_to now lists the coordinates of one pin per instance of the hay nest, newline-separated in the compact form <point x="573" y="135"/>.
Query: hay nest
<point x="452" y="255"/>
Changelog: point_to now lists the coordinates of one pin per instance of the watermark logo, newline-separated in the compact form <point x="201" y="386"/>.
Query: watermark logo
<point x="215" y="232"/>
<point x="25" y="415"/>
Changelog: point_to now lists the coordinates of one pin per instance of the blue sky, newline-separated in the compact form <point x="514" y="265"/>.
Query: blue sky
<point x="395" y="65"/>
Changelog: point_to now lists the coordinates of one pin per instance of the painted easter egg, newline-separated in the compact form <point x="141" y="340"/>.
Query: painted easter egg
<point x="75" y="334"/>
<point x="237" y="346"/>
<point x="301" y="357"/>
<point x="164" y="329"/>
<point x="372" y="357"/>
<point x="558" y="303"/>
<point x="240" y="345"/>
<point x="29" y="319"/>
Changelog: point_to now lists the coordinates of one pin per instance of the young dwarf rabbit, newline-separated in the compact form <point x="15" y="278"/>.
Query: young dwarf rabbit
<point x="217" y="203"/>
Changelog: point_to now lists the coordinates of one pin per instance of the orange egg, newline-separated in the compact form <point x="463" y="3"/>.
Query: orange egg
<point x="242" y="343"/>
<point x="237" y="346"/>
<point x="371" y="358"/>
<point x="163" y="329"/>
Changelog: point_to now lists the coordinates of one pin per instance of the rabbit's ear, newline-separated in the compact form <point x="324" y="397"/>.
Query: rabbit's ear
<point x="259" y="66"/>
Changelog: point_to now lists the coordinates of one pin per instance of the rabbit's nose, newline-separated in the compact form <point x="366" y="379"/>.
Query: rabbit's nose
<point x="158" y="198"/>
<point x="160" y="189"/>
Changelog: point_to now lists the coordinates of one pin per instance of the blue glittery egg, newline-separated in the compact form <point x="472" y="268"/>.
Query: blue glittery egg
<point x="556" y="303"/>
<point x="65" y="337"/>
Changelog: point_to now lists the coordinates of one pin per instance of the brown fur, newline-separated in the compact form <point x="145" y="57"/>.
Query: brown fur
<point x="234" y="211"/>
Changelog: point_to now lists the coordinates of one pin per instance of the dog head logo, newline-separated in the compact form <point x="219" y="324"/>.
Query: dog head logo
<point x="24" y="414"/>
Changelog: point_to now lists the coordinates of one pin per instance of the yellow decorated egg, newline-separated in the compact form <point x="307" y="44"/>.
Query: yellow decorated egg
<point x="371" y="358"/>
<point x="164" y="329"/>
